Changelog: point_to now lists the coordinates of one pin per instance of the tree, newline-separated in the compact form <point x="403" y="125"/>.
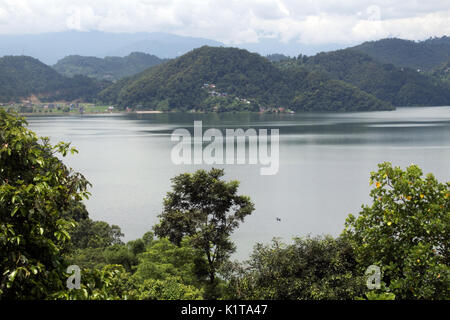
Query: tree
<point x="207" y="210"/>
<point x="171" y="288"/>
<point x="36" y="189"/>
<point x="164" y="260"/>
<point x="405" y="232"/>
<point x="108" y="283"/>
<point x="308" y="269"/>
<point x="95" y="234"/>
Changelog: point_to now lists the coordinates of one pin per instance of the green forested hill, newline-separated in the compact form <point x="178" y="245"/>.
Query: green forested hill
<point x="108" y="68"/>
<point x="22" y="76"/>
<point x="399" y="86"/>
<point x="180" y="84"/>
<point x="424" y="55"/>
<point x="231" y="79"/>
<point x="442" y="72"/>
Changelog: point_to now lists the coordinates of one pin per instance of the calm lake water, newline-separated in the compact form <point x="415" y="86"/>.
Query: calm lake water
<point x="325" y="161"/>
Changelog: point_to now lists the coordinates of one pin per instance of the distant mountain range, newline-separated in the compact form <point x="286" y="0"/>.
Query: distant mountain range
<point x="267" y="46"/>
<point x="108" y="68"/>
<point x="51" y="47"/>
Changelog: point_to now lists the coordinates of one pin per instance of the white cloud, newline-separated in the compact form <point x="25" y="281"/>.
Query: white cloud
<point x="235" y="21"/>
<point x="82" y="18"/>
<point x="3" y="16"/>
<point x="419" y="27"/>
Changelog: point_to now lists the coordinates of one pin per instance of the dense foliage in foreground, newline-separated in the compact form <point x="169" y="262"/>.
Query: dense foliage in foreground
<point x="44" y="228"/>
<point x="37" y="192"/>
<point x="407" y="231"/>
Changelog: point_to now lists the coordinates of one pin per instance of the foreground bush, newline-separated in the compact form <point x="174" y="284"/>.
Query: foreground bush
<point x="405" y="232"/>
<point x="36" y="188"/>
<point x="309" y="269"/>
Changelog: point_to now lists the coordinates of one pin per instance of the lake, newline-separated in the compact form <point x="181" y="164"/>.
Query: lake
<point x="325" y="162"/>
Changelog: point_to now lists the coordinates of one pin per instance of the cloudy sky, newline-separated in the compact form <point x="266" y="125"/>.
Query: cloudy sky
<point x="235" y="21"/>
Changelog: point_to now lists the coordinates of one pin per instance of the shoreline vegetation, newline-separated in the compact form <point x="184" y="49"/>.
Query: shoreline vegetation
<point x="67" y="108"/>
<point x="70" y="109"/>
<point x="121" y="112"/>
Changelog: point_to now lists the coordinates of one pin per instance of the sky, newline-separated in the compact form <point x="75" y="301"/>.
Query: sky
<point x="234" y="22"/>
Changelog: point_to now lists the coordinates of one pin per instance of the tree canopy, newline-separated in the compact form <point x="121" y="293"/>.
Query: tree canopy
<point x="320" y="268"/>
<point x="35" y="189"/>
<point x="207" y="210"/>
<point x="405" y="232"/>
